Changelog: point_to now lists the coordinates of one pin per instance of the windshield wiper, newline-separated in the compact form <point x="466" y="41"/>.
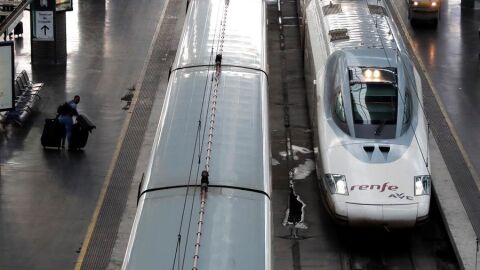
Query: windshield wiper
<point x="379" y="129"/>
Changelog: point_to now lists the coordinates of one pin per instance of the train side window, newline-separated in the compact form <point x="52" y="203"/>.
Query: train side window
<point x="407" y="112"/>
<point x="339" y="109"/>
<point x="339" y="112"/>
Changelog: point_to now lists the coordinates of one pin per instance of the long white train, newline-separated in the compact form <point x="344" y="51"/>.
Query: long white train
<point x="365" y="100"/>
<point x="236" y="231"/>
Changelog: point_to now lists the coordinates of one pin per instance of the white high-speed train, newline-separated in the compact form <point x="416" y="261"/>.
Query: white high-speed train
<point x="236" y="225"/>
<point x="365" y="100"/>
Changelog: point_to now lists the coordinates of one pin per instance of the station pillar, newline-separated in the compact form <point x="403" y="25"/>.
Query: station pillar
<point x="49" y="33"/>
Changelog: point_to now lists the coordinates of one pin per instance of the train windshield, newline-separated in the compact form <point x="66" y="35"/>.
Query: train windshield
<point x="374" y="101"/>
<point x="374" y="104"/>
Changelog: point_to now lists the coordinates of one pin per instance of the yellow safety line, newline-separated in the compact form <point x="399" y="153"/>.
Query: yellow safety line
<point x="101" y="198"/>
<point x="439" y="101"/>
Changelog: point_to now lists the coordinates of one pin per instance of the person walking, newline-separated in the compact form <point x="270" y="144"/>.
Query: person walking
<point x="66" y="112"/>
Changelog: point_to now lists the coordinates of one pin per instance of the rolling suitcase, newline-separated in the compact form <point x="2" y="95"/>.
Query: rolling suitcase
<point x="80" y="131"/>
<point x="79" y="137"/>
<point x="53" y="132"/>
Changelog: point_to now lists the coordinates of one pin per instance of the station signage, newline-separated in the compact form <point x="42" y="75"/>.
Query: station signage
<point x="7" y="94"/>
<point x="43" y="20"/>
<point x="44" y="25"/>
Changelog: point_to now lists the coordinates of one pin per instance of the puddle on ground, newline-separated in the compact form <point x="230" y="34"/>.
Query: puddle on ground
<point x="302" y="171"/>
<point x="275" y="162"/>
<point x="294" y="215"/>
<point x="296" y="149"/>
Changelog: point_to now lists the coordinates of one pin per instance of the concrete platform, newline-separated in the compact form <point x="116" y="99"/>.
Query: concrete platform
<point x="47" y="197"/>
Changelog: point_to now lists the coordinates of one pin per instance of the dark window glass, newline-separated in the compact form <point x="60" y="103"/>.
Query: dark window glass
<point x="374" y="103"/>
<point x="407" y="112"/>
<point x="339" y="109"/>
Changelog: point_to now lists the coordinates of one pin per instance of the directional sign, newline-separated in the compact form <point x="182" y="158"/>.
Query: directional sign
<point x="7" y="95"/>
<point x="43" y="20"/>
<point x="44" y="25"/>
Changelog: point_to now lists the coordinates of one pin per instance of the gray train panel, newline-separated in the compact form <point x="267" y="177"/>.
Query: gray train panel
<point x="349" y="24"/>
<point x="245" y="43"/>
<point x="236" y="232"/>
<point x="241" y="154"/>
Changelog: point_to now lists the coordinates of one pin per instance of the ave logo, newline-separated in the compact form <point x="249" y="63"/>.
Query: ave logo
<point x="400" y="196"/>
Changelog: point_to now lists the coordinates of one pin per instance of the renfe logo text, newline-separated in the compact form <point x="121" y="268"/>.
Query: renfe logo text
<point x="380" y="188"/>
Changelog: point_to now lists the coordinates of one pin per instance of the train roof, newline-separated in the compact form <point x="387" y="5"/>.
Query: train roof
<point x="240" y="156"/>
<point x="244" y="40"/>
<point x="353" y="24"/>
<point x="234" y="219"/>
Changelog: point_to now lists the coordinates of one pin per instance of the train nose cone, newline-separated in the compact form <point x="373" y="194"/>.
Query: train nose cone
<point x="391" y="216"/>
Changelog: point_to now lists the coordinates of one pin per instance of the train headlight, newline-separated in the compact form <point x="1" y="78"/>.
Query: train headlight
<point x="372" y="75"/>
<point x="423" y="184"/>
<point x="337" y="183"/>
<point x="368" y="73"/>
<point x="415" y="3"/>
<point x="434" y="4"/>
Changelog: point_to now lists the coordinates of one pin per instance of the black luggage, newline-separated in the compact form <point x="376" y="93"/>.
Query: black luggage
<point x="80" y="131"/>
<point x="53" y="132"/>
<point x="79" y="137"/>
<point x="83" y="120"/>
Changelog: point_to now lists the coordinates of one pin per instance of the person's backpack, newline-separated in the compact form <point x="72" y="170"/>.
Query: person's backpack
<point x="64" y="109"/>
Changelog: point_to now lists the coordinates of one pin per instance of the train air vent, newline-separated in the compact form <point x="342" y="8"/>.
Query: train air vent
<point x="384" y="149"/>
<point x="338" y="34"/>
<point x="369" y="149"/>
<point x="377" y="10"/>
<point x="332" y="9"/>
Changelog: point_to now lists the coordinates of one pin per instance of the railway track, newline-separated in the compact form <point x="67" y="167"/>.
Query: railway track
<point x="423" y="247"/>
<point x="377" y="250"/>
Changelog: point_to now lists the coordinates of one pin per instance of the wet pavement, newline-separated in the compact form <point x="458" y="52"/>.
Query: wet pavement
<point x="47" y="197"/>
